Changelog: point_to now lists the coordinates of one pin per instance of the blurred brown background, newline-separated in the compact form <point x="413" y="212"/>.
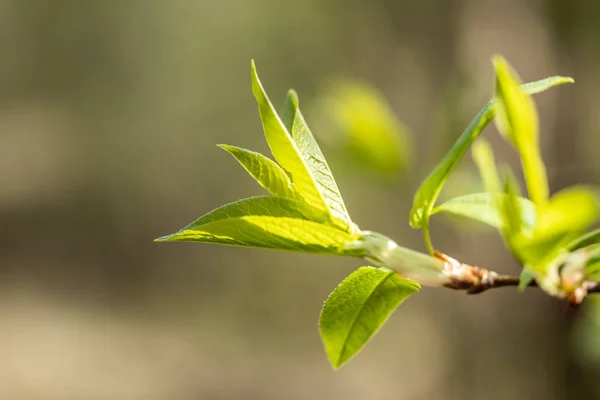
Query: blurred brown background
<point x="109" y="116"/>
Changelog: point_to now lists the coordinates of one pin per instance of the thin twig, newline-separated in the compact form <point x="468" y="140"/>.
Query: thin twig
<point x="475" y="280"/>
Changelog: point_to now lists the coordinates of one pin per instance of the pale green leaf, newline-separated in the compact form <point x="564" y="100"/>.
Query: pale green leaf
<point x="588" y="239"/>
<point x="483" y="156"/>
<point x="559" y="222"/>
<point x="518" y="121"/>
<point x="283" y="147"/>
<point x="366" y="130"/>
<point x="510" y="208"/>
<point x="525" y="279"/>
<point x="290" y="105"/>
<point x="265" y="171"/>
<point x="357" y="308"/>
<point x="317" y="165"/>
<point x="483" y="207"/>
<point x="429" y="190"/>
<point x="293" y="154"/>
<point x="266" y="222"/>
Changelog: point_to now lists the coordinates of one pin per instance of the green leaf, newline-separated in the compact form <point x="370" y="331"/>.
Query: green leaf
<point x="559" y="222"/>
<point x="266" y="222"/>
<point x="518" y="122"/>
<point x="357" y="308"/>
<point x="290" y="105"/>
<point x="484" y="159"/>
<point x="308" y="175"/>
<point x="366" y="129"/>
<point x="429" y="190"/>
<point x="527" y="276"/>
<point x="511" y="208"/>
<point x="265" y="171"/>
<point x="483" y="207"/>
<point x="317" y="165"/>
<point x="586" y="240"/>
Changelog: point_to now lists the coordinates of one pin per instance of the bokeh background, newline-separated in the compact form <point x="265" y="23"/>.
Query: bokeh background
<point x="109" y="116"/>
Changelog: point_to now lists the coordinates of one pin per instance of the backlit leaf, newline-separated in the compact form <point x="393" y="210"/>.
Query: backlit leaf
<point x="483" y="207"/>
<point x="518" y="121"/>
<point x="317" y="165"/>
<point x="265" y="171"/>
<point x="266" y="222"/>
<point x="429" y="190"/>
<point x="357" y="308"/>
<point x="300" y="156"/>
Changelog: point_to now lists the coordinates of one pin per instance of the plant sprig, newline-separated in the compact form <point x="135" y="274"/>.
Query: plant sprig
<point x="305" y="212"/>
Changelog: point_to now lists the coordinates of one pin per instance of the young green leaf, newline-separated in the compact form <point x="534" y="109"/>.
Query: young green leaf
<point x="483" y="156"/>
<point x="366" y="129"/>
<point x="559" y="222"/>
<point x="429" y="190"/>
<point x="483" y="207"/>
<point x="357" y="308"/>
<point x="290" y="105"/>
<point x="265" y="171"/>
<point x="317" y="165"/>
<point x="573" y="209"/>
<point x="518" y="122"/>
<point x="586" y="240"/>
<point x="511" y="208"/>
<point x="525" y="278"/>
<point x="266" y="222"/>
<point x="310" y="176"/>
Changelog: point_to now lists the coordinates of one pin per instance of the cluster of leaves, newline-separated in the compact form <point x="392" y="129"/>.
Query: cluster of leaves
<point x="305" y="212"/>
<point x="543" y="232"/>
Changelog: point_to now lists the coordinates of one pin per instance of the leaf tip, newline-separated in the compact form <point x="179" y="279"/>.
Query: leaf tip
<point x="293" y="97"/>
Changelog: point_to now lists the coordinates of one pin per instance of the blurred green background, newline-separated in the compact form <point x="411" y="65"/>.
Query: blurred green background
<point x="109" y="116"/>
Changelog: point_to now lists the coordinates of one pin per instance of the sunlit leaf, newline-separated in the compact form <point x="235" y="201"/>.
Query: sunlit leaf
<point x="317" y="165"/>
<point x="592" y="265"/>
<point x="483" y="157"/>
<point x="265" y="171"/>
<point x="588" y="239"/>
<point x="511" y="207"/>
<point x="366" y="129"/>
<point x="298" y="154"/>
<point x="283" y="147"/>
<point x="483" y="207"/>
<point x="429" y="190"/>
<point x="266" y="222"/>
<point x="357" y="308"/>
<point x="518" y="121"/>
<point x="568" y="213"/>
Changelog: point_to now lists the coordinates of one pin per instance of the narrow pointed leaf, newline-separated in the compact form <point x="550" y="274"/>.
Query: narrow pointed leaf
<point x="266" y="222"/>
<point x="429" y="190"/>
<point x="518" y="121"/>
<point x="265" y="171"/>
<point x="312" y="155"/>
<point x="510" y="207"/>
<point x="484" y="159"/>
<point x="357" y="308"/>
<point x="483" y="207"/>
<point x="586" y="240"/>
<point x="289" y="109"/>
<point x="290" y="156"/>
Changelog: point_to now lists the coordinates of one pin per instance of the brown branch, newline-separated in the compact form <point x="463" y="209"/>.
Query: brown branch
<point x="475" y="280"/>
